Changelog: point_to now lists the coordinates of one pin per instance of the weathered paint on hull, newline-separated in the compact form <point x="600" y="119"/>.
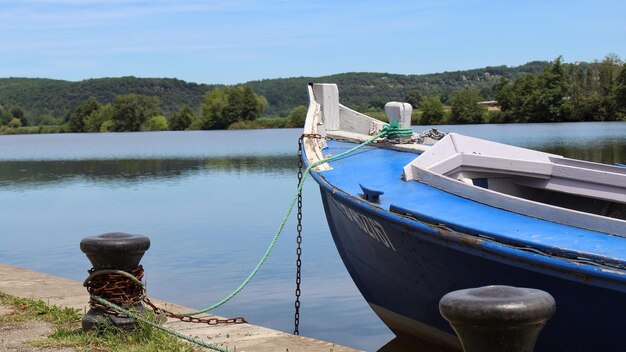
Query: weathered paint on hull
<point x="403" y="268"/>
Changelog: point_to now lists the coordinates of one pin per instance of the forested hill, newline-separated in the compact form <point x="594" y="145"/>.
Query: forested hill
<point x="360" y="90"/>
<point x="39" y="97"/>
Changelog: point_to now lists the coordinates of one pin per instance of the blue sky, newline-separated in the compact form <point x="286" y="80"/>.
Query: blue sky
<point x="230" y="41"/>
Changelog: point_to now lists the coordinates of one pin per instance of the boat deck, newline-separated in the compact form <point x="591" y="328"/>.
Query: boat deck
<point x="381" y="169"/>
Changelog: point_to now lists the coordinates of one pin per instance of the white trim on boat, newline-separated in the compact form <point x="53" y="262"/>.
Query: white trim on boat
<point x="454" y="162"/>
<point x="329" y="119"/>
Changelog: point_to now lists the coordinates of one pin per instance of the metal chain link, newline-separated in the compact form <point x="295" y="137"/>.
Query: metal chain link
<point x="296" y="317"/>
<point x="296" y="330"/>
<point x="115" y="288"/>
<point x="190" y="319"/>
<point x="127" y="290"/>
<point x="431" y="133"/>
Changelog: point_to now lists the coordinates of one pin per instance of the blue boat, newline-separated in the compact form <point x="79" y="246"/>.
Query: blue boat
<point x="416" y="217"/>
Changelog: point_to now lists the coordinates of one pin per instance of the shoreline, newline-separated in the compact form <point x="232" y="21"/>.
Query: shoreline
<point x="35" y="130"/>
<point x="53" y="290"/>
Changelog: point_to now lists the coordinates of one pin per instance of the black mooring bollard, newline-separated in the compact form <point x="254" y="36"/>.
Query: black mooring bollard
<point x="497" y="318"/>
<point x="114" y="251"/>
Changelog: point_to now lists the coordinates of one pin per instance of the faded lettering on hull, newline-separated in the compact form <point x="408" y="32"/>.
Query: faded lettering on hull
<point x="371" y="227"/>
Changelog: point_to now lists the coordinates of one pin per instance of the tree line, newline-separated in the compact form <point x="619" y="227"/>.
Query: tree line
<point x="559" y="93"/>
<point x="222" y="108"/>
<point x="42" y="99"/>
<point x="535" y="92"/>
<point x="39" y="97"/>
<point x="577" y="92"/>
<point x="134" y="112"/>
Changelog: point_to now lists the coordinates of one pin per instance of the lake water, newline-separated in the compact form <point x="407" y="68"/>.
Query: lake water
<point x="210" y="203"/>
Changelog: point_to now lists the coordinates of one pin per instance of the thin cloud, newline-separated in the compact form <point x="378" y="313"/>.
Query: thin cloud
<point x="25" y="15"/>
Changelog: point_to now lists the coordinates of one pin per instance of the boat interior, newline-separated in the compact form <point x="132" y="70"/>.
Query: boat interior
<point x="532" y="175"/>
<point x="545" y="186"/>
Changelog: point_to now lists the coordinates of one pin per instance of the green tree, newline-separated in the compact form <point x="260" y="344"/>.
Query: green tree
<point x="550" y="101"/>
<point x="233" y="111"/>
<point x="414" y="98"/>
<point x="432" y="110"/>
<point x="537" y="97"/>
<point x="465" y="107"/>
<point x="608" y="71"/>
<point x="181" y="120"/>
<point x="213" y="106"/>
<point x="486" y="93"/>
<point x="18" y="113"/>
<point x="251" y="104"/>
<point x="156" y="123"/>
<point x="15" y="123"/>
<point x="495" y="116"/>
<point x="133" y="110"/>
<point x="377" y="103"/>
<point x="47" y="120"/>
<point x="620" y="92"/>
<point x="5" y="116"/>
<point x="577" y="93"/>
<point x="221" y="108"/>
<point x="107" y="126"/>
<point x="93" y="122"/>
<point x="523" y="100"/>
<point x="297" y="116"/>
<point x="505" y="94"/>
<point x="78" y="116"/>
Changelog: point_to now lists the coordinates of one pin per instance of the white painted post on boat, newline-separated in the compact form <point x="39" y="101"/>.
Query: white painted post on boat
<point x="399" y="112"/>
<point x="327" y="95"/>
<point x="497" y="318"/>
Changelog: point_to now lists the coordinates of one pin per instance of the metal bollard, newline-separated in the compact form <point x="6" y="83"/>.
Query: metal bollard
<point x="497" y="318"/>
<point x="114" y="251"/>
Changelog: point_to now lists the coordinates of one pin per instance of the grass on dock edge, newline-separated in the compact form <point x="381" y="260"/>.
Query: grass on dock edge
<point x="67" y="331"/>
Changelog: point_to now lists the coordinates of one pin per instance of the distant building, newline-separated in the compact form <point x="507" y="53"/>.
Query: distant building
<point x="492" y="105"/>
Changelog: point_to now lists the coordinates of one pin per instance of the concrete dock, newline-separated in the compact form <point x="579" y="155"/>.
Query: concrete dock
<point x="62" y="292"/>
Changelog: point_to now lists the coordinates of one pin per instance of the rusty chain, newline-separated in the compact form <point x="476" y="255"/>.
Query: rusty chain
<point x="122" y="290"/>
<point x="191" y="319"/>
<point x="115" y="288"/>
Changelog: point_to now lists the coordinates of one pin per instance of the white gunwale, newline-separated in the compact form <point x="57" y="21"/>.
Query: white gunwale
<point x="456" y="160"/>
<point x="331" y="120"/>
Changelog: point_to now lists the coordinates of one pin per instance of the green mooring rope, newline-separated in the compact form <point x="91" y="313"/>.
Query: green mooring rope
<point x="160" y="327"/>
<point x="391" y="129"/>
<point x="394" y="131"/>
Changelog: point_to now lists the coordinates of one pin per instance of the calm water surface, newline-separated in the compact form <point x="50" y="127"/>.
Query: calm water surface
<point x="210" y="202"/>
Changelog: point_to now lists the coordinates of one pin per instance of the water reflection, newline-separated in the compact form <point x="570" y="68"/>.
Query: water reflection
<point x="608" y="153"/>
<point x="25" y="174"/>
<point x="210" y="202"/>
<point x="34" y="173"/>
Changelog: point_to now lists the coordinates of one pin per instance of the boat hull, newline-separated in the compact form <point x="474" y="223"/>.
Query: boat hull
<point x="403" y="267"/>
